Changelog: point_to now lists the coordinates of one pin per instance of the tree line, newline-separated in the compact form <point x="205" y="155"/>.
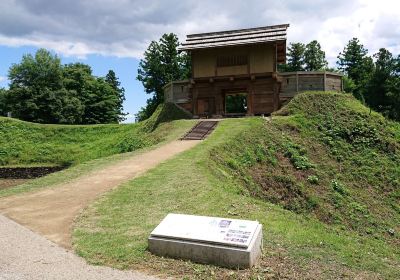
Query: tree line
<point x="43" y="90"/>
<point x="375" y="80"/>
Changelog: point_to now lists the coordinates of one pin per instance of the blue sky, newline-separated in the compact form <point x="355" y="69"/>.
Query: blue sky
<point x="113" y="34"/>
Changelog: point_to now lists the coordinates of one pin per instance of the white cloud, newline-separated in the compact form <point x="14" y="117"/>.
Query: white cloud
<point x="124" y="28"/>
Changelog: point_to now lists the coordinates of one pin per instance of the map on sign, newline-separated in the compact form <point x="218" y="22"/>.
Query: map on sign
<point x="223" y="231"/>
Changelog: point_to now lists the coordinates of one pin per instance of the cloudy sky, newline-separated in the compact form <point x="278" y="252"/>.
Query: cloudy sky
<point x="112" y="34"/>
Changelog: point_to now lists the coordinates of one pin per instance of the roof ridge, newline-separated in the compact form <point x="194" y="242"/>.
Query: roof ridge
<point x="239" y="30"/>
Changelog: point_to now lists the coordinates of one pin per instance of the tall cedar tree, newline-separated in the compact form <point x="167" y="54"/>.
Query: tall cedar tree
<point x="314" y="57"/>
<point x="113" y="81"/>
<point x="162" y="64"/>
<point x="44" y="91"/>
<point x="295" y="57"/>
<point x="357" y="65"/>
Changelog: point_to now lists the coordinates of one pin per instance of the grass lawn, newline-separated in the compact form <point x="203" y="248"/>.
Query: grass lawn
<point x="29" y="144"/>
<point x="114" y="230"/>
<point x="101" y="148"/>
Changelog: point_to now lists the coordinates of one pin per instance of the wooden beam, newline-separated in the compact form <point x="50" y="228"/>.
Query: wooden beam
<point x="194" y="101"/>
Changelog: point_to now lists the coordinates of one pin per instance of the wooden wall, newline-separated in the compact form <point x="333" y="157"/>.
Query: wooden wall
<point x="264" y="93"/>
<point x="168" y="94"/>
<point x="333" y="83"/>
<point x="295" y="82"/>
<point x="177" y="92"/>
<point x="261" y="59"/>
<point x="263" y="97"/>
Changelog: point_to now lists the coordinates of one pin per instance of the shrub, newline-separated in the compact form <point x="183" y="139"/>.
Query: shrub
<point x="313" y="179"/>
<point x="297" y="157"/>
<point x="339" y="188"/>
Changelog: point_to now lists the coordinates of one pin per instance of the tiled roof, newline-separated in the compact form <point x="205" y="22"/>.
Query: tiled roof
<point x="235" y="37"/>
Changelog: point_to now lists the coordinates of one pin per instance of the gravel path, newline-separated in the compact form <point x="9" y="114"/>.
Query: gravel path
<point x="51" y="212"/>
<point x="25" y="255"/>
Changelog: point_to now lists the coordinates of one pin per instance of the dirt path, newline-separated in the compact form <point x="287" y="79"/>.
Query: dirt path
<point x="27" y="255"/>
<point x="51" y="212"/>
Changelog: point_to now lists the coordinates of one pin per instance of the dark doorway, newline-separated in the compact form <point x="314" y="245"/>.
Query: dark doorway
<point x="236" y="103"/>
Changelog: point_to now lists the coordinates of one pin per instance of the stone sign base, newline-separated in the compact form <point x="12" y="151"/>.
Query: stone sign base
<point x="220" y="250"/>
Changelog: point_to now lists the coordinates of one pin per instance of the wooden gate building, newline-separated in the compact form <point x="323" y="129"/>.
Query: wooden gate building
<point x="233" y="72"/>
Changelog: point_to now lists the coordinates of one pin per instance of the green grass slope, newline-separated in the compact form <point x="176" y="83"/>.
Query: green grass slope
<point x="305" y="175"/>
<point x="27" y="144"/>
<point x="328" y="156"/>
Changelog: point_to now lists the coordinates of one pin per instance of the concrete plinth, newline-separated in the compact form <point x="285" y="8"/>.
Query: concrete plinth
<point x="224" y="242"/>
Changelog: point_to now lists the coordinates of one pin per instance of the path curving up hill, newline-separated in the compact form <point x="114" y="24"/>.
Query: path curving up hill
<point x="51" y="212"/>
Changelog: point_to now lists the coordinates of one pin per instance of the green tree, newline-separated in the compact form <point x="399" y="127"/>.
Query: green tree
<point x="119" y="91"/>
<point x="314" y="57"/>
<point x="42" y="90"/>
<point x="101" y="98"/>
<point x="295" y="57"/>
<point x="100" y="102"/>
<point x="383" y="90"/>
<point x="393" y="91"/>
<point x="34" y="84"/>
<point x="348" y="84"/>
<point x="357" y="65"/>
<point x="3" y="102"/>
<point x="75" y="76"/>
<point x="162" y="63"/>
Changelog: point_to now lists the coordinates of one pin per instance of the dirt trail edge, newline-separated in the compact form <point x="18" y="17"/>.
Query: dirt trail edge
<point x="51" y="212"/>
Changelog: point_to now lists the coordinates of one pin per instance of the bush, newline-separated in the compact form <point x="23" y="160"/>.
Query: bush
<point x="338" y="187"/>
<point x="297" y="156"/>
<point x="313" y="179"/>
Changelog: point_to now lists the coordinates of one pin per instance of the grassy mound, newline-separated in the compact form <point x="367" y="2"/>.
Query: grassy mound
<point x="219" y="178"/>
<point x="165" y="113"/>
<point x="23" y="143"/>
<point x="327" y="156"/>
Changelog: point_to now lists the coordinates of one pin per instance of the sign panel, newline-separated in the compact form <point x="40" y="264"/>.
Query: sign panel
<point x="238" y="233"/>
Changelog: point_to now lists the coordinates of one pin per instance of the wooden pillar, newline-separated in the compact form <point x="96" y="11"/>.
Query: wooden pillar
<point x="341" y="83"/>
<point x="276" y="95"/>
<point x="215" y="95"/>
<point x="297" y="82"/>
<point x="275" y="68"/>
<point x="250" y="94"/>
<point x="194" y="100"/>
<point x="217" y="98"/>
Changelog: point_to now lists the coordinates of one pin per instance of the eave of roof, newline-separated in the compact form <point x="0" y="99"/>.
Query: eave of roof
<point x="235" y="37"/>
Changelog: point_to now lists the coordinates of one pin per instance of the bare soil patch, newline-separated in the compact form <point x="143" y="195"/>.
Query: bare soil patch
<point x="9" y="183"/>
<point x="27" y="172"/>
